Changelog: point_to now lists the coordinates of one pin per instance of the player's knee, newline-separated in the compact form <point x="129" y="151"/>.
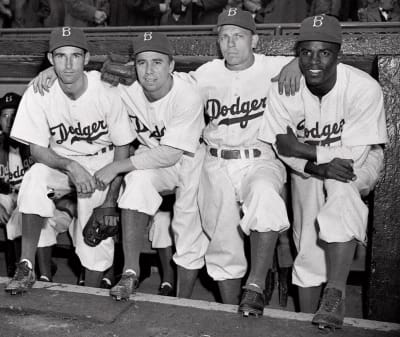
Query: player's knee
<point x="138" y="180"/>
<point x="36" y="175"/>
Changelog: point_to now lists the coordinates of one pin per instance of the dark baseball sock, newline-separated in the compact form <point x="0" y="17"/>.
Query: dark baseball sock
<point x="93" y="278"/>
<point x="134" y="226"/>
<point x="167" y="264"/>
<point x="230" y="290"/>
<point x="340" y="256"/>
<point x="309" y="298"/>
<point x="31" y="226"/>
<point x="44" y="255"/>
<point x="262" y="247"/>
<point x="186" y="281"/>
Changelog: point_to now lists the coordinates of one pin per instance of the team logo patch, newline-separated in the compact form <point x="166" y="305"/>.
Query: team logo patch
<point x="237" y="113"/>
<point x="322" y="134"/>
<point x="66" y="31"/>
<point x="232" y="11"/>
<point x="318" y="21"/>
<point x="157" y="133"/>
<point x="88" y="133"/>
<point x="147" y="36"/>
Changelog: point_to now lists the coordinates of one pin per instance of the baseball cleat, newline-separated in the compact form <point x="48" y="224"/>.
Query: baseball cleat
<point x="330" y="313"/>
<point x="23" y="279"/>
<point x="125" y="287"/>
<point x="166" y="289"/>
<point x="252" y="303"/>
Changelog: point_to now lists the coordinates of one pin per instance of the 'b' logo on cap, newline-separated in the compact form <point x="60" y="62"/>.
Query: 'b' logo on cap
<point x="318" y="21"/>
<point x="9" y="99"/>
<point x="147" y="36"/>
<point x="232" y="11"/>
<point x="66" y="31"/>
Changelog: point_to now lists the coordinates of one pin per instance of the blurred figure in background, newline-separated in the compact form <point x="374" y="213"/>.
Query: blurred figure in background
<point x="86" y="13"/>
<point x="380" y="11"/>
<point x="180" y="13"/>
<point x="205" y="12"/>
<point x="329" y="7"/>
<point x="5" y="14"/>
<point x="56" y="15"/>
<point x="274" y="11"/>
<point x="29" y="13"/>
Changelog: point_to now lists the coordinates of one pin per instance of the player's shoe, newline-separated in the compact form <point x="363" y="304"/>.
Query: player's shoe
<point x="105" y="283"/>
<point x="23" y="279"/>
<point x="252" y="303"/>
<point x="125" y="287"/>
<point x="330" y="313"/>
<point x="166" y="289"/>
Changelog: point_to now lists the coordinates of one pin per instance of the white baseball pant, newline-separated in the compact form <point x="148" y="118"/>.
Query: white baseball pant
<point x="255" y="185"/>
<point x="142" y="193"/>
<point x="32" y="199"/>
<point x="330" y="211"/>
<point x="160" y="230"/>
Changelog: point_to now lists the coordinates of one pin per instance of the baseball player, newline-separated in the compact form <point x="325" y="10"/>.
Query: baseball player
<point x="167" y="116"/>
<point x="16" y="161"/>
<point x="240" y="173"/>
<point x="329" y="135"/>
<point x="79" y="127"/>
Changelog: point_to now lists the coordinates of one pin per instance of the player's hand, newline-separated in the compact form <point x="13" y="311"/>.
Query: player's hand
<point x="43" y="82"/>
<point x="83" y="181"/>
<point x="286" y="143"/>
<point x="338" y="169"/>
<point x="106" y="175"/>
<point x="100" y="17"/>
<point x="4" y="216"/>
<point x="289" y="78"/>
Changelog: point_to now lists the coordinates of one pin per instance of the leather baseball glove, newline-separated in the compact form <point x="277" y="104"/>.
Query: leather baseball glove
<point x="96" y="229"/>
<point x="117" y="69"/>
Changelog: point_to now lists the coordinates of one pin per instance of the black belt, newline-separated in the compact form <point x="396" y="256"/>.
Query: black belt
<point x="235" y="154"/>
<point x="103" y="150"/>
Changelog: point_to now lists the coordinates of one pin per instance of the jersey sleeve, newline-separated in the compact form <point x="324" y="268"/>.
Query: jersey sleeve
<point x="185" y="123"/>
<point x="325" y="154"/>
<point x="30" y="124"/>
<point x="366" y="121"/>
<point x="275" y="121"/>
<point x="118" y="122"/>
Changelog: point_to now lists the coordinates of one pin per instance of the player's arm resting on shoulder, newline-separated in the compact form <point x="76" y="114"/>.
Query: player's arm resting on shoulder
<point x="44" y="80"/>
<point x="83" y="181"/>
<point x="289" y="78"/>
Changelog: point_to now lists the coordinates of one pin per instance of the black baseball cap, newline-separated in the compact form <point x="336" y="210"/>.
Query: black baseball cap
<point x="67" y="36"/>
<point x="10" y="100"/>
<point x="152" y="41"/>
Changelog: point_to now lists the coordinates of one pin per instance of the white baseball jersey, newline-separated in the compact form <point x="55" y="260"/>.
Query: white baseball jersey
<point x="73" y="127"/>
<point x="175" y="120"/>
<point x="350" y="115"/>
<point x="235" y="101"/>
